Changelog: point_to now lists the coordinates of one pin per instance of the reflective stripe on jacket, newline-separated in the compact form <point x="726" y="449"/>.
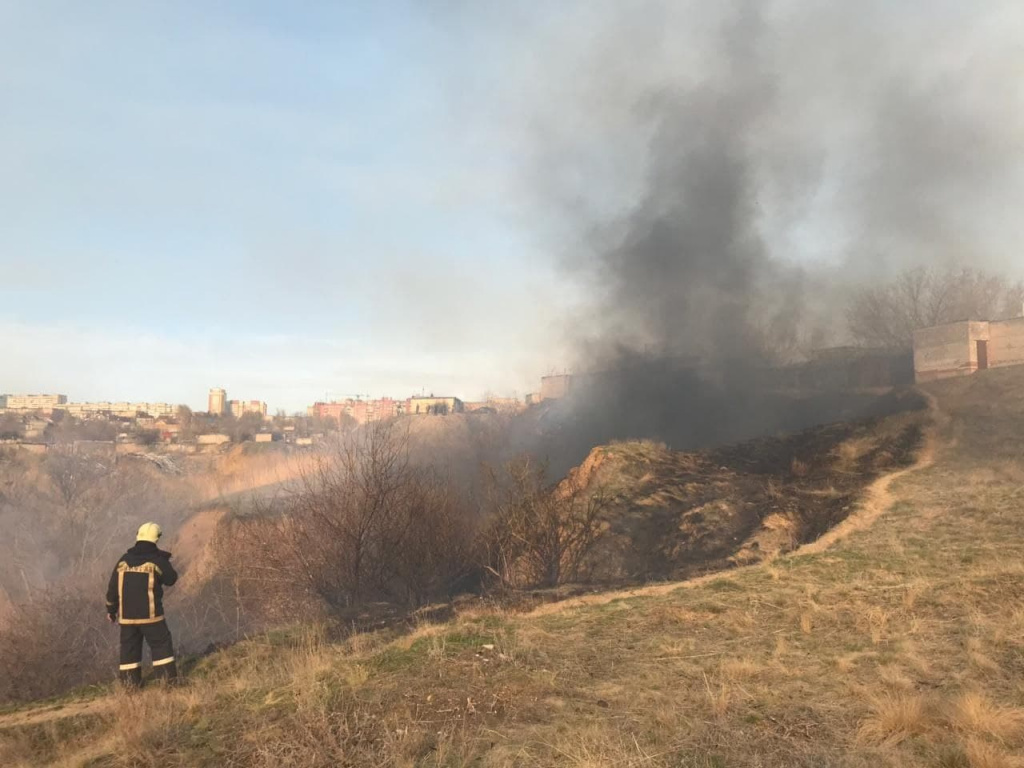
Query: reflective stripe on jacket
<point x="136" y="589"/>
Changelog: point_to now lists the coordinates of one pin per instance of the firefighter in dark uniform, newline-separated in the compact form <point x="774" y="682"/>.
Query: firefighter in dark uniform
<point x="135" y="601"/>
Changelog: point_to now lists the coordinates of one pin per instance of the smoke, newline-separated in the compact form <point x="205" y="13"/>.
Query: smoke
<point x="716" y="172"/>
<point x="716" y="179"/>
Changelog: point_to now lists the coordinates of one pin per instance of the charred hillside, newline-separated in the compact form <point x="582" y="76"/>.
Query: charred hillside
<point x="672" y="515"/>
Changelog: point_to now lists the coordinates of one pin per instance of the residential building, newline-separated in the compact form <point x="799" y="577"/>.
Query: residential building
<point x="361" y="411"/>
<point x="32" y="402"/>
<point x="121" y="409"/>
<point x="240" y="408"/>
<point x="217" y="402"/>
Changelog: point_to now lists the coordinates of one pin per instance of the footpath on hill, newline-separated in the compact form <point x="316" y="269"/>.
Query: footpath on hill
<point x="897" y="642"/>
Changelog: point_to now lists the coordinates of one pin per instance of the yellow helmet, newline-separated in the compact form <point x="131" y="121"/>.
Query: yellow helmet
<point x="149" y="532"/>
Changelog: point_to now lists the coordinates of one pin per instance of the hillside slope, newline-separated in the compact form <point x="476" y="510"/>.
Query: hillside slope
<point x="902" y="644"/>
<point x="673" y="515"/>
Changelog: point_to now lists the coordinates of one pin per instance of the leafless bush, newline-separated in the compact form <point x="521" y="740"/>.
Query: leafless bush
<point x="363" y="525"/>
<point x="887" y="315"/>
<point x="540" y="535"/>
<point x="56" y="641"/>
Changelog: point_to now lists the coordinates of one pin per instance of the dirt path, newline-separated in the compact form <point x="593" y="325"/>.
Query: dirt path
<point x="54" y="712"/>
<point x="876" y="501"/>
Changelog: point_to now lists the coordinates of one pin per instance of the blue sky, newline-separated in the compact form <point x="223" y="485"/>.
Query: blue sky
<point x="282" y="199"/>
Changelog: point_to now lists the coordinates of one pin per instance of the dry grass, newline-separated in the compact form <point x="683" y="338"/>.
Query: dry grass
<point x="976" y="715"/>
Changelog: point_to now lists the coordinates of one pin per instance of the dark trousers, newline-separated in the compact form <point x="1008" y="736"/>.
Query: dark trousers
<point x="158" y="637"/>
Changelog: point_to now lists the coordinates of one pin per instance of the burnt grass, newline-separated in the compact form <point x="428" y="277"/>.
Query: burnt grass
<point x="674" y="515"/>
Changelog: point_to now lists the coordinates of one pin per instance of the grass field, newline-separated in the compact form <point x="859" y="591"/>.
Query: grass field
<point x="901" y="644"/>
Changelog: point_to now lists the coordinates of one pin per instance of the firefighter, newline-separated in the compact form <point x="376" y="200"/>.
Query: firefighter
<point x="135" y="601"/>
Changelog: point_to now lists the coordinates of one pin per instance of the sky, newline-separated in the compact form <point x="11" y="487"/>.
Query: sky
<point x="291" y="201"/>
<point x="299" y="201"/>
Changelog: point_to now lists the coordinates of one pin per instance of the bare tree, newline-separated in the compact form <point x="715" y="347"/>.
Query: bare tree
<point x="75" y="478"/>
<point x="887" y="315"/>
<point x="540" y="535"/>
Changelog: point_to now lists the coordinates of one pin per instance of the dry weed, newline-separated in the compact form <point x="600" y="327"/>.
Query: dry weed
<point x="878" y="621"/>
<point x="895" y="717"/>
<point x="848" y="662"/>
<point x="737" y="669"/>
<point x="975" y="714"/>
<point x="806" y="623"/>
<point x="981" y="754"/>
<point x="718" y="696"/>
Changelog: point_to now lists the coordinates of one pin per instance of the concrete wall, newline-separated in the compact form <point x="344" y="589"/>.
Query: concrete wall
<point x="947" y="350"/>
<point x="1006" y="343"/>
<point x="554" y="387"/>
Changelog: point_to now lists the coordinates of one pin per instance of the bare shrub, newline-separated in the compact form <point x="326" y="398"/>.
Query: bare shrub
<point x="540" y="535"/>
<point x="438" y="554"/>
<point x="56" y="641"/>
<point x="362" y="525"/>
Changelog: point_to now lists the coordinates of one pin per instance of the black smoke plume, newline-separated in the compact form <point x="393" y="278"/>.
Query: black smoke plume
<point x="787" y="152"/>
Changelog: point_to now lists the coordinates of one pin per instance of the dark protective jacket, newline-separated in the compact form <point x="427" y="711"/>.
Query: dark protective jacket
<point x="136" y="590"/>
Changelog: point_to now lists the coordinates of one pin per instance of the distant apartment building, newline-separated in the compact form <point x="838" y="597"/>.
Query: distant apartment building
<point x="122" y="409"/>
<point x="240" y="408"/>
<point x="432" y="405"/>
<point x="362" y="411"/>
<point x="32" y="402"/>
<point x="217" y="402"/>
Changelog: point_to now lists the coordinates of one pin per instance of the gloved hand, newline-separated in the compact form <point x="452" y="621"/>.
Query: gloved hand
<point x="112" y="618"/>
